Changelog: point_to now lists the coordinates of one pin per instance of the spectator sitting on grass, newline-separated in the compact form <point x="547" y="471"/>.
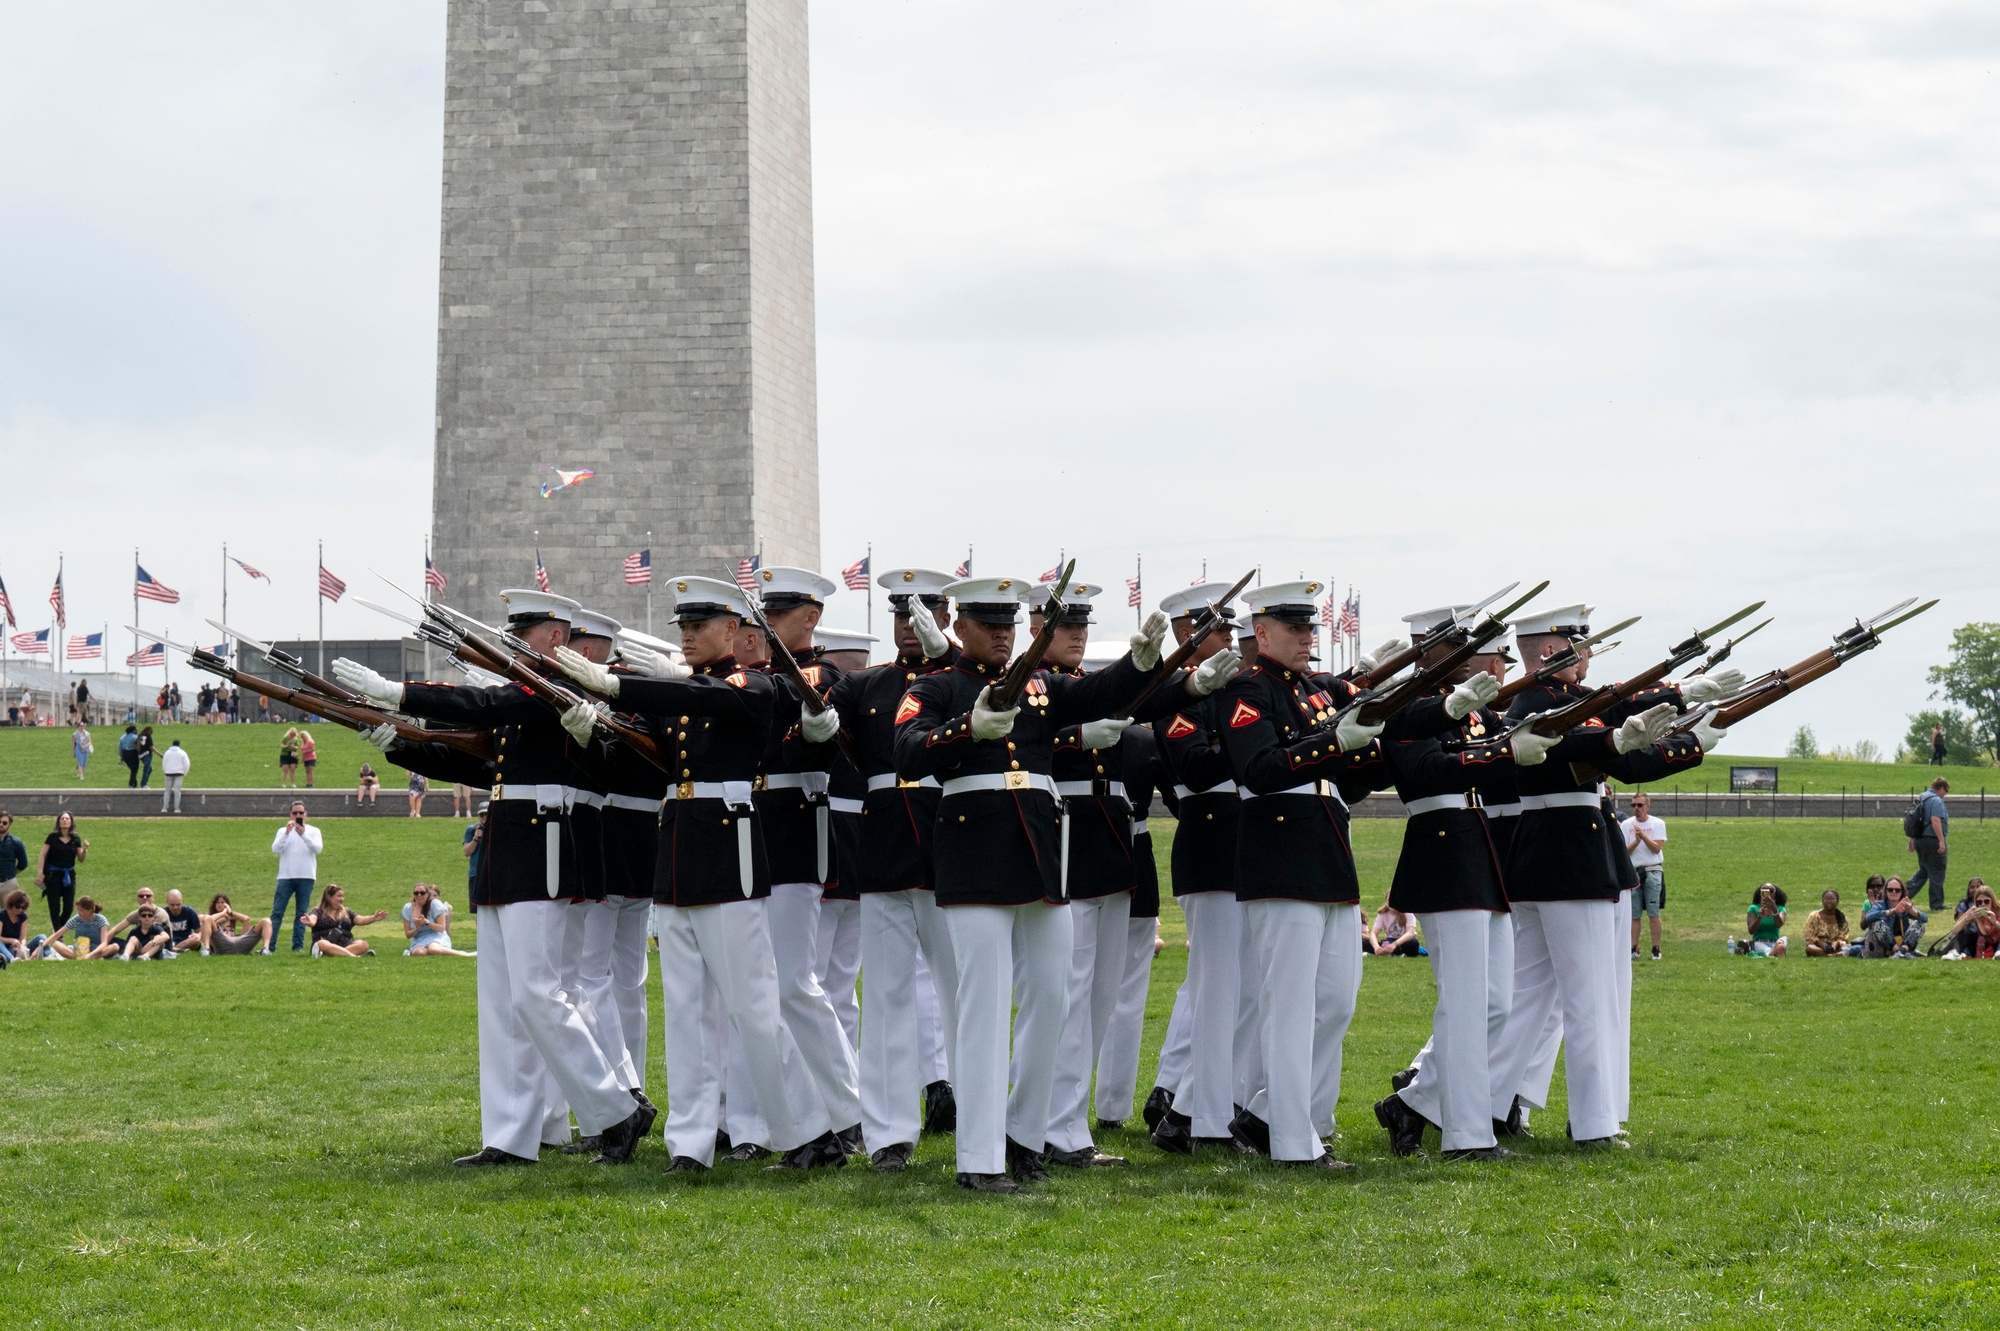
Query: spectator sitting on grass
<point x="222" y="933"/>
<point x="1977" y="932"/>
<point x="1897" y="927"/>
<point x="419" y="786"/>
<point x="367" y="785"/>
<point x="427" y="924"/>
<point x="1765" y="923"/>
<point x="333" y="925"/>
<point x="1965" y="903"/>
<point x="1826" y="928"/>
<point x="15" y="943"/>
<point x="183" y="925"/>
<point x="148" y="937"/>
<point x="90" y="930"/>
<point x="1392" y="934"/>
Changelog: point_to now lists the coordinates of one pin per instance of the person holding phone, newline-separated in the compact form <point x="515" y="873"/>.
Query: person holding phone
<point x="1765" y="922"/>
<point x="297" y="847"/>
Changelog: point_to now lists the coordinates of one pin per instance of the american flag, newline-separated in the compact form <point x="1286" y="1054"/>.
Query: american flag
<point x="432" y="578"/>
<point x="220" y="649"/>
<point x="1052" y="574"/>
<point x="56" y="604"/>
<point x="746" y="572"/>
<point x="6" y="606"/>
<point x="86" y="646"/>
<point x="330" y="587"/>
<point x="156" y="655"/>
<point x="32" y="644"/>
<point x="639" y="569"/>
<point x="541" y="574"/>
<point x="964" y="570"/>
<point x="253" y="572"/>
<point x="856" y="575"/>
<point x="150" y="588"/>
<point x="1327" y="614"/>
<point x="1132" y="596"/>
<point x="1350" y="617"/>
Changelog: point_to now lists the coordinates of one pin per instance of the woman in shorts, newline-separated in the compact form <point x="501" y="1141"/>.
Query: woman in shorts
<point x="419" y="786"/>
<point x="369" y="783"/>
<point x="427" y="924"/>
<point x="308" y="753"/>
<point x="223" y="933"/>
<point x="288" y="758"/>
<point x="333" y="925"/>
<point x="91" y="932"/>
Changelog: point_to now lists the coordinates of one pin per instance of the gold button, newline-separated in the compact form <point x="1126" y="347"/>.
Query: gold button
<point x="1281" y="817"/>
<point x="871" y="711"/>
<point x="961" y="817"/>
<point x="725" y="822"/>
<point x="532" y="822"/>
<point x="685" y="773"/>
<point x="684" y="720"/>
<point x="1440" y="831"/>
<point x="1209" y="816"/>
<point x="1014" y="766"/>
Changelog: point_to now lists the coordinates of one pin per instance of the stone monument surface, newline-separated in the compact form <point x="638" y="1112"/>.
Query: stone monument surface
<point x="626" y="285"/>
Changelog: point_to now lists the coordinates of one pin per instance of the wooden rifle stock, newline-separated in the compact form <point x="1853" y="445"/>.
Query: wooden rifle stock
<point x="552" y="695"/>
<point x="788" y="666"/>
<point x="1778" y="684"/>
<point x="354" y="716"/>
<point x="1007" y="693"/>
<point x="1207" y="623"/>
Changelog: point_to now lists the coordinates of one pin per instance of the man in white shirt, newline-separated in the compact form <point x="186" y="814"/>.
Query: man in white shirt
<point x="297" y="847"/>
<point x="1646" y="841"/>
<point x="174" y="764"/>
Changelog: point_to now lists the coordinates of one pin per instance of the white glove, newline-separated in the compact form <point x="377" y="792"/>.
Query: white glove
<point x="929" y="636"/>
<point x="1146" y="642"/>
<point x="988" y="724"/>
<point x="1384" y="652"/>
<point x="581" y="722"/>
<point x="1216" y="671"/>
<point x="653" y="665"/>
<point x="358" y="678"/>
<point x="381" y="736"/>
<point x="1104" y="734"/>
<point x="818" y="727"/>
<point x="1706" y="734"/>
<point x="1707" y="688"/>
<point x="1645" y="728"/>
<point x="587" y="672"/>
<point x="1352" y="735"/>
<point x="1530" y="749"/>
<point x="1475" y="693"/>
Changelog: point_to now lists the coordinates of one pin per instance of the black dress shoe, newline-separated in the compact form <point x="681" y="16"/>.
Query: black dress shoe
<point x="686" y="1164"/>
<point x="1087" y="1158"/>
<point x="1604" y="1143"/>
<point x="1325" y="1161"/>
<point x="1404" y="1125"/>
<point x="621" y="1139"/>
<point x="1230" y="1143"/>
<point x="988" y="1183"/>
<point x="850" y="1141"/>
<point x="1514" y="1125"/>
<point x="1158" y="1102"/>
<point x="1480" y="1153"/>
<point x="582" y="1146"/>
<point x="1251" y="1131"/>
<point x="893" y="1159"/>
<point x="940" y="1108"/>
<point x="1110" y="1124"/>
<point x="822" y="1152"/>
<point x="492" y="1155"/>
<point x="1173" y="1133"/>
<point x="723" y="1146"/>
<point x="1398" y="1080"/>
<point x="650" y="1112"/>
<point x="747" y="1152"/>
<point x="1025" y="1165"/>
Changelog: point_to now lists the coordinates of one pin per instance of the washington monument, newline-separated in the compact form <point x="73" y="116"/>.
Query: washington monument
<point x="626" y="286"/>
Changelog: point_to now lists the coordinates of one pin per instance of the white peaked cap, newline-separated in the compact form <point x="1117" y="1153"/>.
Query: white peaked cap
<point x="1572" y="621"/>
<point x="707" y="598"/>
<point x="1193" y="600"/>
<point x="533" y="603"/>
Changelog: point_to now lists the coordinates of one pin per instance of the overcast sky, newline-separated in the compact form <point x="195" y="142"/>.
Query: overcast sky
<point x="1679" y="307"/>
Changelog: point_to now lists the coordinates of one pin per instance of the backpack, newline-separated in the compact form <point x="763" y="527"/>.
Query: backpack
<point x="1916" y="822"/>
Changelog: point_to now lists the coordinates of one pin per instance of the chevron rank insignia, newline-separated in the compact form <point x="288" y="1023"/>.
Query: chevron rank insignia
<point x="1243" y="716"/>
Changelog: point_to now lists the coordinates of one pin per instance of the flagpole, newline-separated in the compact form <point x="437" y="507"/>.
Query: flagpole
<point x="135" y="627"/>
<point x="430" y="594"/>
<point x="225" y="582"/>
<point x="1138" y="588"/>
<point x="60" y="628"/>
<point x="649" y="584"/>
<point x="320" y="600"/>
<point x="868" y="563"/>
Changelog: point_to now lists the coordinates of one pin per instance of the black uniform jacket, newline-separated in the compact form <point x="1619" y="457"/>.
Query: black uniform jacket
<point x="715" y="725"/>
<point x="790" y="815"/>
<point x="1139" y="758"/>
<point x="894" y="854"/>
<point x="631" y="834"/>
<point x="1193" y="764"/>
<point x="1101" y="861"/>
<point x="999" y="847"/>
<point x="1576" y="852"/>
<point x="1450" y="860"/>
<point x="531" y="749"/>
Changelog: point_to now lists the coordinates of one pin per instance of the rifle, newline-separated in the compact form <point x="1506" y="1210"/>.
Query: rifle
<point x="355" y="716"/>
<point x="1722" y="653"/>
<point x="1762" y="692"/>
<point x="1007" y="692"/>
<point x="1391" y="666"/>
<point x="1207" y="622"/>
<point x="1556" y="664"/>
<point x="291" y="665"/>
<point x="788" y="666"/>
<point x="1373" y="709"/>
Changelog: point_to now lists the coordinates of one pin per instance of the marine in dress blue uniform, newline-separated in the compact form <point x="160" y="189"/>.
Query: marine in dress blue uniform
<point x="838" y="950"/>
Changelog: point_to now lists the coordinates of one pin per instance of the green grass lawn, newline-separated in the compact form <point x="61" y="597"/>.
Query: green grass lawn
<point x="234" y="757"/>
<point x="263" y="1142"/>
<point x="1829" y="776"/>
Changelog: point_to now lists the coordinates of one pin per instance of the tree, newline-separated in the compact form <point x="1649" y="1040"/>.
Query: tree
<point x="1961" y="745"/>
<point x="1972" y="680"/>
<point x="1804" y="744"/>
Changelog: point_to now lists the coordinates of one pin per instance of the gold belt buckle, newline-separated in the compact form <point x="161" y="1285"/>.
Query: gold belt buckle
<point x="1325" y="789"/>
<point x="908" y="785"/>
<point x="1017" y="781"/>
<point x="684" y="791"/>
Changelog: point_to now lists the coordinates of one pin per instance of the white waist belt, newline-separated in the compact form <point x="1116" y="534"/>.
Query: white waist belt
<point x="1433" y="803"/>
<point x="590" y="799"/>
<point x="736" y="794"/>
<point x="545" y="797"/>
<point x="1562" y="799"/>
<point x="839" y="805"/>
<point x="886" y="780"/>
<point x="1512" y="810"/>
<point x="959" y="785"/>
<point x="1139" y="827"/>
<point x="1323" y="789"/>
<point x="1225" y="788"/>
<point x="637" y="803"/>
<point x="812" y="783"/>
<point x="1069" y="788"/>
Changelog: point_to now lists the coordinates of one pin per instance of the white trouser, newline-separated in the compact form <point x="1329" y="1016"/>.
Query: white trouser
<point x="1559" y="960"/>
<point x="1096" y="974"/>
<point x="1620" y="960"/>
<point x="1472" y="957"/>
<point x="1247" y="1054"/>
<point x="902" y="934"/>
<point x="1541" y="1074"/>
<point x="742" y="1120"/>
<point x="728" y="947"/>
<point x="1177" y="1049"/>
<point x="1310" y="960"/>
<point x="1028" y="949"/>
<point x="931" y="1029"/>
<point x="586" y="982"/>
<point x="805" y="1006"/>
<point x="170" y="794"/>
<point x="612" y="977"/>
<point x="1118" y="1060"/>
<point x="525" y="1020"/>
<point x="1215" y="981"/>
<point x="837" y="962"/>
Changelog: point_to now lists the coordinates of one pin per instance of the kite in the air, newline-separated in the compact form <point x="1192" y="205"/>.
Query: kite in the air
<point x="563" y="479"/>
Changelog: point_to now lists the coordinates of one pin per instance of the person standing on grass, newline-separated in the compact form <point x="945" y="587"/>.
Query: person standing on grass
<point x="128" y="753"/>
<point x="308" y="754"/>
<point x="144" y="751"/>
<point x="1938" y="745"/>
<point x="80" y="747"/>
<point x="174" y="765"/>
<point x="55" y="872"/>
<point x="222" y="934"/>
<point x="1929" y="844"/>
<point x="333" y="925"/>
<point x="1646" y="842"/>
<point x="461" y="800"/>
<point x="288" y="759"/>
<point x="13" y="854"/>
<point x="297" y="846"/>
